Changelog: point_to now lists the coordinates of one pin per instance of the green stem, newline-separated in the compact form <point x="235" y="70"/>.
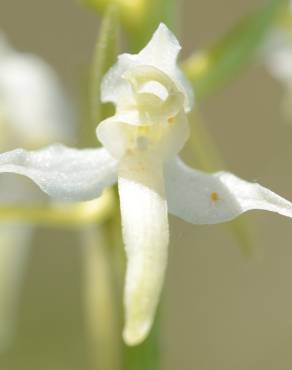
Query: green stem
<point x="156" y="11"/>
<point x="60" y="215"/>
<point x="102" y="305"/>
<point x="102" y="309"/>
<point x="145" y="356"/>
<point x="104" y="57"/>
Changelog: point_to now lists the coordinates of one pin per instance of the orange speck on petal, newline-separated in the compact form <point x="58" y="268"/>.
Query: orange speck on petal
<point x="171" y="120"/>
<point x="214" y="196"/>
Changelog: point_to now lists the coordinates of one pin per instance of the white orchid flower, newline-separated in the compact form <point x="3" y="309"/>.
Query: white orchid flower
<point x="280" y="66"/>
<point x="33" y="108"/>
<point x="33" y="111"/>
<point x="141" y="142"/>
<point x="277" y="56"/>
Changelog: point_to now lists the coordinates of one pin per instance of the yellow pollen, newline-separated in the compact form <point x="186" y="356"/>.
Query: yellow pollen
<point x="143" y="130"/>
<point x="214" y="196"/>
<point x="171" y="120"/>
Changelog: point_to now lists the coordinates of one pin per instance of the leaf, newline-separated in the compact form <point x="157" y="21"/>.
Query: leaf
<point x="213" y="68"/>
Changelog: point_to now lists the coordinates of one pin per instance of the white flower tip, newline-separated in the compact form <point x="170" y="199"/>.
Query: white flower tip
<point x="135" y="333"/>
<point x="162" y="26"/>
<point x="162" y="29"/>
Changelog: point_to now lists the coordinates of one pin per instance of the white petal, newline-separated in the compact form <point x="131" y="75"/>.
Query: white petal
<point x="161" y="52"/>
<point x="16" y="190"/>
<point x="118" y="136"/>
<point x="145" y="231"/>
<point x="62" y="172"/>
<point x="202" y="198"/>
<point x="114" y="88"/>
<point x="113" y="133"/>
<point x="280" y="65"/>
<point x="177" y="135"/>
<point x="33" y="103"/>
<point x="14" y="250"/>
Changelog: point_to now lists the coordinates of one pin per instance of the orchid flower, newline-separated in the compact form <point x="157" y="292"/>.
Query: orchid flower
<point x="277" y="55"/>
<point x="278" y="60"/>
<point x="33" y="111"/>
<point x="140" y="146"/>
<point x="33" y="108"/>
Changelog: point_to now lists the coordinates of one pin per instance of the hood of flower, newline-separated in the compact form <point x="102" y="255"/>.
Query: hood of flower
<point x="152" y="99"/>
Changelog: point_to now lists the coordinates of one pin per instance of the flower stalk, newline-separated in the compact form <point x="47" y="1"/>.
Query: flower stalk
<point x="104" y="56"/>
<point x="102" y="306"/>
<point x="61" y="214"/>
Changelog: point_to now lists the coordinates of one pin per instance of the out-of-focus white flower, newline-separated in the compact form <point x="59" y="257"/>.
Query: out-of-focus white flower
<point x="33" y="108"/>
<point x="33" y="111"/>
<point x="277" y="56"/>
<point x="141" y="142"/>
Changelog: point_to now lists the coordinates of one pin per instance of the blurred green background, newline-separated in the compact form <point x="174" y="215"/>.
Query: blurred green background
<point x="221" y="311"/>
